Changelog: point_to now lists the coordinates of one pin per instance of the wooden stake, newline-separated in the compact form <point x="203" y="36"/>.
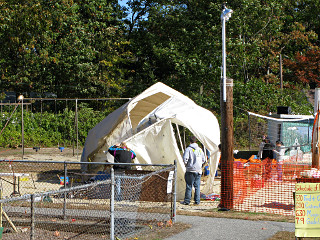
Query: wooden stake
<point x="8" y="219"/>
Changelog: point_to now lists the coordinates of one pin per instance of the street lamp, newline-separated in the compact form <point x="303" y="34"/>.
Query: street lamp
<point x="225" y="15"/>
<point x="20" y="98"/>
<point x="226" y="107"/>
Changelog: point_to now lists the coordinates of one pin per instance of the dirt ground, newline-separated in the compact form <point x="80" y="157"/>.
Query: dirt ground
<point x="74" y="155"/>
<point x="43" y="154"/>
<point x="29" y="184"/>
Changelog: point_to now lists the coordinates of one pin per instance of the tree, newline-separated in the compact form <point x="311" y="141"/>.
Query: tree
<point x="88" y="48"/>
<point x="176" y="44"/>
<point x="71" y="48"/>
<point x="305" y="68"/>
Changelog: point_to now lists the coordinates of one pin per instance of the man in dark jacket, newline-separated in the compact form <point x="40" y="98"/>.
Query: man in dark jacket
<point x="266" y="156"/>
<point x="121" y="154"/>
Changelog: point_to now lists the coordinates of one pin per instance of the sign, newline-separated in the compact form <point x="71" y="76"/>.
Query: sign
<point x="169" y="185"/>
<point x="307" y="210"/>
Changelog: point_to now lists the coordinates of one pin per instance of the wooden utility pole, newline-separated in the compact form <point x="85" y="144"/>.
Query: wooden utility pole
<point x="227" y="146"/>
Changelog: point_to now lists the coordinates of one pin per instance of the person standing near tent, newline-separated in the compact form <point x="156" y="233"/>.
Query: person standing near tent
<point x="266" y="155"/>
<point x="121" y="154"/>
<point x="279" y="152"/>
<point x="193" y="159"/>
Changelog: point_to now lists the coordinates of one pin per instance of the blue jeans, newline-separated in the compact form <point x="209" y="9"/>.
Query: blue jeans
<point x="192" y="180"/>
<point x="118" y="195"/>
<point x="118" y="179"/>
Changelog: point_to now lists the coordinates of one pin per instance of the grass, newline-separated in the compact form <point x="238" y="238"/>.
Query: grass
<point x="289" y="236"/>
<point x="283" y="235"/>
<point x="240" y="215"/>
<point x="158" y="233"/>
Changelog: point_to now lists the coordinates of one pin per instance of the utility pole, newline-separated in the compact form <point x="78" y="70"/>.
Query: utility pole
<point x="226" y="105"/>
<point x="227" y="147"/>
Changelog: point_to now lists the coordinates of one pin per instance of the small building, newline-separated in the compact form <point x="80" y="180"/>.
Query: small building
<point x="292" y="130"/>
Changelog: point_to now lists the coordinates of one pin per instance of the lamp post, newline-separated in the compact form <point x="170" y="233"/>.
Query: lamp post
<point x="20" y="98"/>
<point x="225" y="15"/>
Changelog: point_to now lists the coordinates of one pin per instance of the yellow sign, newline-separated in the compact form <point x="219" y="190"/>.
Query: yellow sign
<point x="307" y="210"/>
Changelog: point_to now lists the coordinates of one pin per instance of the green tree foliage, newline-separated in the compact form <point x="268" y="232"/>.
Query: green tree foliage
<point x="179" y="43"/>
<point x="48" y="129"/>
<point x="98" y="48"/>
<point x="256" y="94"/>
<point x="87" y="48"/>
<point x="176" y="42"/>
<point x="307" y="13"/>
<point x="259" y="31"/>
<point x="71" y="48"/>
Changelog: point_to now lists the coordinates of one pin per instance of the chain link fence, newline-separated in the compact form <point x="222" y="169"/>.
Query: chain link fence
<point x="55" y="200"/>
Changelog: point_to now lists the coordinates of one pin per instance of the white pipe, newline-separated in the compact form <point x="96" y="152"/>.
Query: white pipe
<point x="224" y="71"/>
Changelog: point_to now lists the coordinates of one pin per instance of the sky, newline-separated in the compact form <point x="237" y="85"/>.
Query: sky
<point x="122" y="2"/>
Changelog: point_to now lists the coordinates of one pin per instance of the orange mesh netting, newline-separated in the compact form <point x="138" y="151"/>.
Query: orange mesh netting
<point x="265" y="186"/>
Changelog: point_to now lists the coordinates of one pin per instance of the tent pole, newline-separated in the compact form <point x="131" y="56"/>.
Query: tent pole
<point x="182" y="148"/>
<point x="184" y="136"/>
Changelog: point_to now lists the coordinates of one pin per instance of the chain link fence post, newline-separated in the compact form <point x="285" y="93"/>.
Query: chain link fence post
<point x="65" y="193"/>
<point x="32" y="217"/>
<point x="112" y="205"/>
<point x="174" y="192"/>
<point x="1" y="206"/>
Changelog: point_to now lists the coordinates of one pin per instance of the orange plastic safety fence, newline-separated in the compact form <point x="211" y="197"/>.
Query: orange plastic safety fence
<point x="265" y="186"/>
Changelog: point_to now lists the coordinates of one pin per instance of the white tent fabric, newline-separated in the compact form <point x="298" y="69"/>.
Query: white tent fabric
<point x="138" y="123"/>
<point x="157" y="145"/>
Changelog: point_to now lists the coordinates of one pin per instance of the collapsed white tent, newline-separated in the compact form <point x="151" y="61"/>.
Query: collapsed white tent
<point x="146" y="124"/>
